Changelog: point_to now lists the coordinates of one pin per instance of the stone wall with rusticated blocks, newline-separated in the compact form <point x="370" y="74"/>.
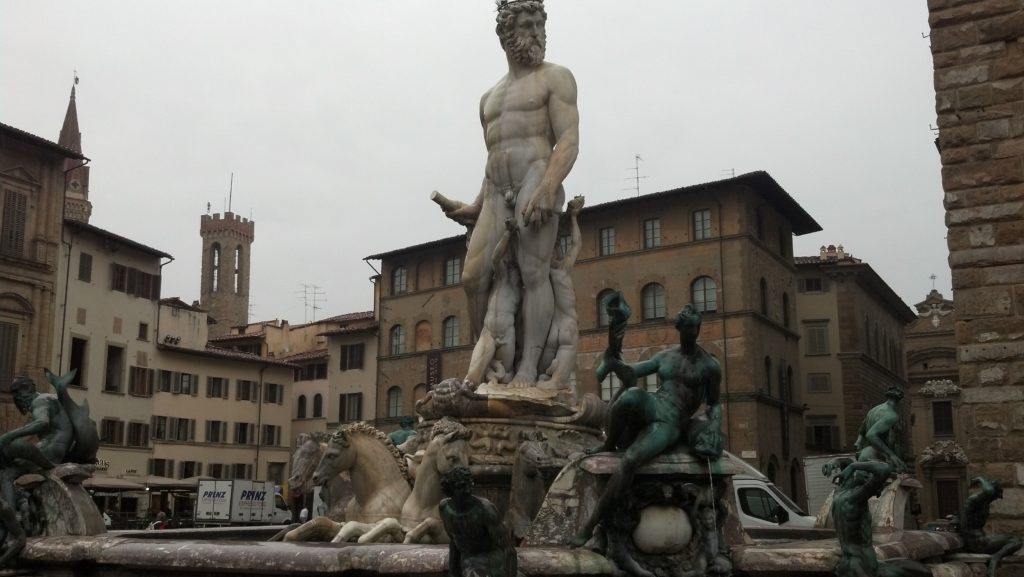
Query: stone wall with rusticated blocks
<point x="978" y="53"/>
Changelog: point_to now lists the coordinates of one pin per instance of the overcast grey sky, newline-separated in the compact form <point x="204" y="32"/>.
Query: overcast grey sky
<point x="339" y="117"/>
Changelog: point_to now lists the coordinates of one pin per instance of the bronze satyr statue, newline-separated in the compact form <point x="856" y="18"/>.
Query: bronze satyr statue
<point x="877" y="437"/>
<point x="976" y="516"/>
<point x="858" y="482"/>
<point x="479" y="545"/>
<point x="644" y="425"/>
<point x="402" y="435"/>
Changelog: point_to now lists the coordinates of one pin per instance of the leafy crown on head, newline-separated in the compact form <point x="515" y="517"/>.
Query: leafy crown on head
<point x="502" y="4"/>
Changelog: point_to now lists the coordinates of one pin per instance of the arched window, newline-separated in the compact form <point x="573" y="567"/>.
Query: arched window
<point x="300" y="407"/>
<point x="602" y="315"/>
<point x="764" y="297"/>
<point x="787" y="391"/>
<point x="397" y="340"/>
<point x="768" y="375"/>
<point x="773" y="468"/>
<point x="424" y="336"/>
<point x="785" y="310"/>
<point x="238" y="269"/>
<point x="215" y="267"/>
<point x="399" y="281"/>
<point x="705" y="298"/>
<point x="394" y="402"/>
<point x="609" y="386"/>
<point x="450" y="328"/>
<point x="318" y="406"/>
<point x="653" y="296"/>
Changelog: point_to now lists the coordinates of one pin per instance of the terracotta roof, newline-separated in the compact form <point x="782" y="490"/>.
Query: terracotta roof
<point x="339" y="319"/>
<point x="177" y="303"/>
<point x="6" y="129"/>
<point x="116" y="238"/>
<point x="760" y="181"/>
<point x="219" y="353"/>
<point x="306" y="356"/>
<point x="351" y="329"/>
<point x="238" y="337"/>
<point x="819" y="260"/>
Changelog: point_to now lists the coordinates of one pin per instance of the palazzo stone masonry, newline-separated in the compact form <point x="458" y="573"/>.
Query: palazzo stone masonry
<point x="978" y="54"/>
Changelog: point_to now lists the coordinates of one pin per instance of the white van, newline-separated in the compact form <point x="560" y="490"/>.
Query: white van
<point x="761" y="504"/>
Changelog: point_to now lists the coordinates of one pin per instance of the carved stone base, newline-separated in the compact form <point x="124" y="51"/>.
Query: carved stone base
<point x="60" y="505"/>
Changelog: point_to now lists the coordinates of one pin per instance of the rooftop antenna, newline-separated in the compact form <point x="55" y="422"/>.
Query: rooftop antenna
<point x="636" y="174"/>
<point x="207" y="208"/>
<point x="231" y="190"/>
<point x="312" y="297"/>
<point x="730" y="172"/>
<point x="933" y="277"/>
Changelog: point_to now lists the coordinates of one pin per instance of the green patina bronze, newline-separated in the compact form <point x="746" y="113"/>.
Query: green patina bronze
<point x="478" y="541"/>
<point x="878" y="432"/>
<point x="402" y="435"/>
<point x="976" y="516"/>
<point x="644" y="425"/>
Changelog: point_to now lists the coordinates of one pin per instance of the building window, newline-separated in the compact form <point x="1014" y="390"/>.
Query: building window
<point x="785" y="310"/>
<point x="602" y="314"/>
<point x="653" y="297"/>
<point x="300" y="407"/>
<point x="237" y="284"/>
<point x="350" y="407"/>
<point x="215" y="268"/>
<point x="159" y="425"/>
<point x="562" y="245"/>
<point x="607" y="241"/>
<point x="312" y="372"/>
<point x="450" y="327"/>
<point x="823" y="433"/>
<point x="702" y="224"/>
<point x="942" y="418"/>
<point x="161" y="467"/>
<point x="318" y="406"/>
<point x="182" y="429"/>
<point x="112" y="432"/>
<point x="143" y="331"/>
<point x="12" y="235"/>
<point x="8" y="354"/>
<point x="764" y="297"/>
<point x="189" y="469"/>
<point x="768" y="375"/>
<point x="452" y="271"/>
<point x="272" y="435"/>
<point x="140" y="381"/>
<point x="394" y="402"/>
<point x="245" y="390"/>
<point x="609" y="386"/>
<point x="652" y="233"/>
<point x="245" y="433"/>
<point x="138" y="434"/>
<point x="217" y="387"/>
<point x="78" y="356"/>
<point x="114" y="369"/>
<point x="813" y="285"/>
<point x="819" y="383"/>
<point x="397" y="340"/>
<point x="817" y="338"/>
<point x="274" y="394"/>
<point x="85" y="267"/>
<point x="216" y="431"/>
<point x="352" y="357"/>
<point x="705" y="297"/>
<point x="399" y="284"/>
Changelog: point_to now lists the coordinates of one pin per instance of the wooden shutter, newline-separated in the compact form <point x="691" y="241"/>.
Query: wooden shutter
<point x="195" y="385"/>
<point x="358" y="397"/>
<point x="12" y="234"/>
<point x="225" y="385"/>
<point x="8" y="354"/>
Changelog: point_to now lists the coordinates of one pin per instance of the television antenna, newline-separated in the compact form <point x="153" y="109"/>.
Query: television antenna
<point x="636" y="178"/>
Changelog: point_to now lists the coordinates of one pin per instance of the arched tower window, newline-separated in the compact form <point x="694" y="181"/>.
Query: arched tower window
<point x="318" y="406"/>
<point x="215" y="267"/>
<point x="237" y="281"/>
<point x="300" y="407"/>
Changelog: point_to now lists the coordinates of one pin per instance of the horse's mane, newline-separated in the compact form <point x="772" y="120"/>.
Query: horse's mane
<point x="364" y="428"/>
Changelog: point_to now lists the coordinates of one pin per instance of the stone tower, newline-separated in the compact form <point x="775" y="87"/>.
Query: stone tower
<point x="224" y="293"/>
<point x="76" y="185"/>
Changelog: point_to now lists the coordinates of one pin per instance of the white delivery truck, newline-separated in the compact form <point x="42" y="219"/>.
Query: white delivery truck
<point x="240" y="501"/>
<point x="761" y="503"/>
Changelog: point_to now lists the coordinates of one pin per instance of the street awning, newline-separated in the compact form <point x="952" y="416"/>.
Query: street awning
<point x="112" y="484"/>
<point x="158" y="483"/>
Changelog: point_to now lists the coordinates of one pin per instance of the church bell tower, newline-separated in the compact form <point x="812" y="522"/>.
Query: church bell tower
<point x="227" y="245"/>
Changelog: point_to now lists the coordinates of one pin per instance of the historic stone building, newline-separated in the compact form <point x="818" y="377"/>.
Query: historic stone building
<point x="76" y="183"/>
<point x="224" y="281"/>
<point x="726" y="246"/>
<point x="933" y="375"/>
<point x="978" y="57"/>
<point x="32" y="181"/>
<point x="852" y="347"/>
